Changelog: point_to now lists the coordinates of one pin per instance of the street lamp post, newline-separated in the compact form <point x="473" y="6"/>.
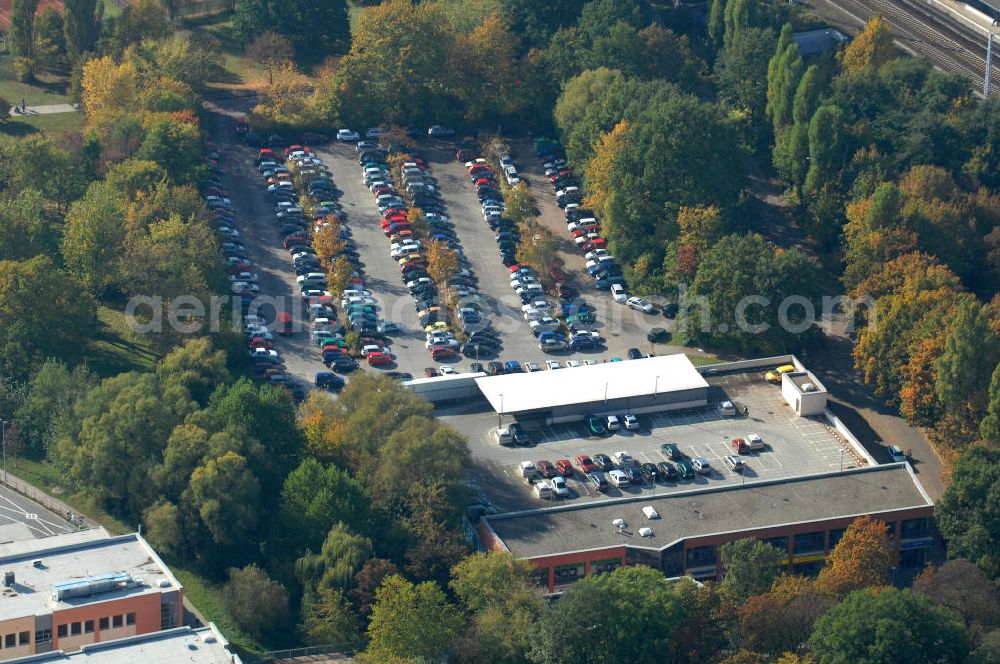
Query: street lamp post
<point x="500" y="414"/>
<point x="3" y="440"/>
<point x="656" y="385"/>
<point x="841" y="459"/>
<point x="605" y="395"/>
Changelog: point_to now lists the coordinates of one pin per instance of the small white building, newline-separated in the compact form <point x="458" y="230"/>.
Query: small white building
<point x="803" y="392"/>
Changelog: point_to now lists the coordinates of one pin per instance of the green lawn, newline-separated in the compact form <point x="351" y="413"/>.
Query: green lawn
<point x="207" y="597"/>
<point x="115" y="348"/>
<point x="55" y="124"/>
<point x="48" y="89"/>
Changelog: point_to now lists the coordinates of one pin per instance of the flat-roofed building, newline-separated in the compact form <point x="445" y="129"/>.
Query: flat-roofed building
<point x="804" y="517"/>
<point x="67" y="591"/>
<point x="202" y="645"/>
<point x="647" y="385"/>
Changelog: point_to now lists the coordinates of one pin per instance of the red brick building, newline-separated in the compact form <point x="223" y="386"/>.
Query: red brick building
<point x="805" y="517"/>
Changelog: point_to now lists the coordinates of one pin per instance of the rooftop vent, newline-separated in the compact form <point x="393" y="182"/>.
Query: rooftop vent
<point x="8" y="579"/>
<point x="646" y="532"/>
<point x="91" y="585"/>
<point x="619" y="524"/>
<point x="650" y="512"/>
<point x="808" y="387"/>
<point x="37" y="564"/>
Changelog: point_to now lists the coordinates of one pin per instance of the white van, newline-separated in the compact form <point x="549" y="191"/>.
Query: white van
<point x="408" y="250"/>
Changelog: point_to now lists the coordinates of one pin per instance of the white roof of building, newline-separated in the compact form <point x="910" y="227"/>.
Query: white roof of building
<point x="76" y="559"/>
<point x="183" y="645"/>
<point x="513" y="393"/>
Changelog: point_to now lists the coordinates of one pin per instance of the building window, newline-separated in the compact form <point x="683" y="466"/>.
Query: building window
<point x="541" y="577"/>
<point x="835" y="536"/>
<point x="43" y="636"/>
<point x="810" y="543"/>
<point x="88" y="627"/>
<point x="24" y="638"/>
<point x="914" y="528"/>
<point x="808" y="569"/>
<point x="701" y="556"/>
<point x="609" y="565"/>
<point x="105" y="623"/>
<point x="129" y="618"/>
<point x="568" y="573"/>
<point x="10" y="640"/>
<point x="63" y="631"/>
<point x="891" y="529"/>
<point x="780" y="543"/>
<point x="75" y="629"/>
<point x="116" y="621"/>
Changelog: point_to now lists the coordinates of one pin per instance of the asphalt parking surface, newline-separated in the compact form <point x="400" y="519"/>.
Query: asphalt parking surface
<point x="17" y="509"/>
<point x="794" y="445"/>
<point x="622" y="327"/>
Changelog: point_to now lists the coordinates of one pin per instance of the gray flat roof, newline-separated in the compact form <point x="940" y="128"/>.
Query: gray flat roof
<point x="204" y="645"/>
<point x="73" y="557"/>
<point x="514" y="393"/>
<point x="755" y="505"/>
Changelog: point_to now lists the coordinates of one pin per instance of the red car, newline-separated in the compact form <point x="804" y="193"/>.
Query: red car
<point x="564" y="467"/>
<point x="740" y="446"/>
<point x="585" y="464"/>
<point x="442" y="353"/>
<point x="379" y="359"/>
<point x="546" y="469"/>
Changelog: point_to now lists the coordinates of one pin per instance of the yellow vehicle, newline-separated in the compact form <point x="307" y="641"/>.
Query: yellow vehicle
<point x="439" y="326"/>
<point x="774" y="375"/>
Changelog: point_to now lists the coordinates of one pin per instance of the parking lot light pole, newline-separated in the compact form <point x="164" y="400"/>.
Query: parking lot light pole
<point x="500" y="414"/>
<point x="841" y="459"/>
<point x="656" y="384"/>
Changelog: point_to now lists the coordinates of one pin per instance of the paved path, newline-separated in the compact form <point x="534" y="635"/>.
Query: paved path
<point x="43" y="110"/>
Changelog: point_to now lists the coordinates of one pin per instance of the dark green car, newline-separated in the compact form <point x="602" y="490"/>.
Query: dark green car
<point x="685" y="469"/>
<point x="671" y="451"/>
<point x="595" y="425"/>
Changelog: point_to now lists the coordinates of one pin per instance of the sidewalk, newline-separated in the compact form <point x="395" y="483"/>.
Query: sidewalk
<point x="43" y="110"/>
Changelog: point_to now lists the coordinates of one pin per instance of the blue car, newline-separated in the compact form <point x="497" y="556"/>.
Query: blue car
<point x="512" y="366"/>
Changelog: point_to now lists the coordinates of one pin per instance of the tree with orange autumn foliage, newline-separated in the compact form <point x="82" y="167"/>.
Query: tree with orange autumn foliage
<point x="861" y="559"/>
<point x="917" y="401"/>
<point x="327" y="242"/>
<point x="598" y="171"/>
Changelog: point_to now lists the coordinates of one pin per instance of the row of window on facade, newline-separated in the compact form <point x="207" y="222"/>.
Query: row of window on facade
<point x="810" y="543"/>
<point x="572" y="571"/>
<point x="87" y="626"/>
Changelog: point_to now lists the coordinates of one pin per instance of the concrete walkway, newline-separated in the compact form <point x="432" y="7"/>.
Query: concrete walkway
<point x="43" y="110"/>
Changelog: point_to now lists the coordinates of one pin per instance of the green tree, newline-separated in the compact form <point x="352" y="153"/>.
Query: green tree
<point x="314" y="498"/>
<point x="783" y="74"/>
<point x="327" y="618"/>
<point x="970" y="508"/>
<point x="141" y="20"/>
<point x="717" y="23"/>
<point x="741" y="71"/>
<point x="750" y="567"/>
<point x="580" y="92"/>
<point x="82" y="24"/>
<point x="67" y="317"/>
<point x="500" y="593"/>
<point x="297" y="21"/>
<point x="225" y="494"/>
<point x="886" y="626"/>
<point x="93" y="236"/>
<point x="342" y="556"/>
<point x="969" y="357"/>
<point x="51" y="394"/>
<point x="634" y="608"/>
<point x="164" y="528"/>
<point x="738" y="16"/>
<point x="256" y="602"/>
<point x="433" y="520"/>
<point x="50" y="42"/>
<point x="411" y="621"/>
<point x="989" y="428"/>
<point x="174" y="146"/>
<point x="827" y="149"/>
<point x="22" y="37"/>
<point x="25" y="230"/>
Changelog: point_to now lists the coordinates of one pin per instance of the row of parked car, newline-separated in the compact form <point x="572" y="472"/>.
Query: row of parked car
<point x="618" y="470"/>
<point x="267" y="362"/>
<point x="418" y="189"/>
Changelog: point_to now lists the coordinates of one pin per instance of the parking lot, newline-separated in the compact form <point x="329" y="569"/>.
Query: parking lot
<point x="621" y="327"/>
<point x="794" y="445"/>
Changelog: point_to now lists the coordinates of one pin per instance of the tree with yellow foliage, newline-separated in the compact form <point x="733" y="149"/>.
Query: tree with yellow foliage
<point x="599" y="168"/>
<point x="861" y="558"/>
<point x="108" y="87"/>
<point x="442" y="263"/>
<point x="870" y="48"/>
<point x="327" y="242"/>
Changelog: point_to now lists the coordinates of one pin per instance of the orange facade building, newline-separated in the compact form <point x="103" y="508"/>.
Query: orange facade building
<point x="67" y="591"/>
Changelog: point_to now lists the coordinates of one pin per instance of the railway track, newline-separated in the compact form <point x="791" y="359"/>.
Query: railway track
<point x="925" y="32"/>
